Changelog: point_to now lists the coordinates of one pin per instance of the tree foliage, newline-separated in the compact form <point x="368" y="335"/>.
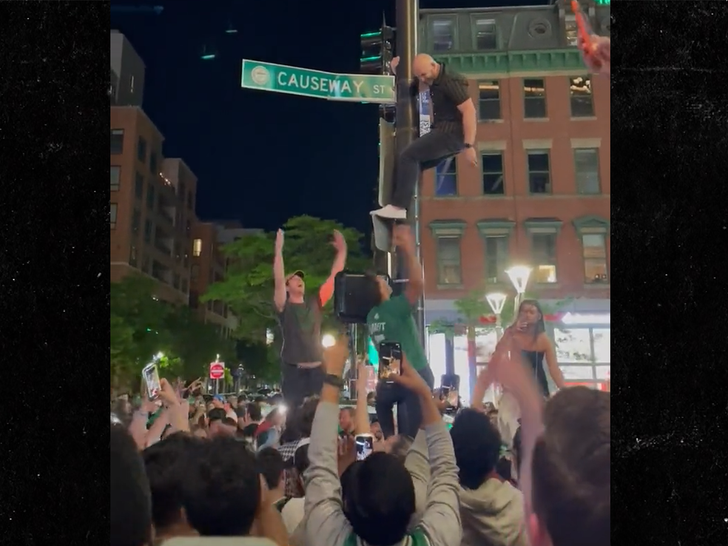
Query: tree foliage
<point x="248" y="286"/>
<point x="142" y="326"/>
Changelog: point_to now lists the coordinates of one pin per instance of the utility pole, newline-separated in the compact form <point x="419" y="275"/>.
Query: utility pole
<point x="407" y="126"/>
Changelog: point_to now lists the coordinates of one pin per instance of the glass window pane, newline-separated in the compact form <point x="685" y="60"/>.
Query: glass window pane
<point x="115" y="173"/>
<point x="603" y="372"/>
<point x="577" y="373"/>
<point x="446" y="178"/>
<point x="443" y="34"/>
<point x="493" y="163"/>
<point x="602" y="344"/>
<point x="485" y="34"/>
<point x="586" y="167"/>
<point x="448" y="257"/>
<point x="112" y="214"/>
<point x="580" y="97"/>
<point x="117" y="141"/>
<point x="538" y="161"/>
<point x="533" y="88"/>
<point x="571" y="32"/>
<point x="460" y="346"/>
<point x="496" y="258"/>
<point x="489" y="90"/>
<point x="573" y="345"/>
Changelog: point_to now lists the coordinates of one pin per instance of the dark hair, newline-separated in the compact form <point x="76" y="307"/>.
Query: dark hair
<point x="254" y="412"/>
<point x="216" y="414"/>
<point x="230" y="422"/>
<point x="477" y="447"/>
<point x="540" y="323"/>
<point x="165" y="463"/>
<point x="517" y="449"/>
<point x="222" y="488"/>
<point x="571" y="468"/>
<point x="503" y="469"/>
<point x="300" y="460"/>
<point x="271" y="466"/>
<point x="250" y="430"/>
<point x="131" y="502"/>
<point x="379" y="499"/>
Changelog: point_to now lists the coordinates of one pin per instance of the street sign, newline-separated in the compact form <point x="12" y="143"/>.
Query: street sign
<point x="217" y="370"/>
<point x="279" y="78"/>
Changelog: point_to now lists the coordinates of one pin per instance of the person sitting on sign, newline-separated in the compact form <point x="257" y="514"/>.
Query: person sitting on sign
<point x="299" y="318"/>
<point x="391" y="320"/>
<point x="453" y="131"/>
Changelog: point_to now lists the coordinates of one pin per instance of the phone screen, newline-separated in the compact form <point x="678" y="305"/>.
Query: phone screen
<point x="390" y="358"/>
<point x="151" y="378"/>
<point x="364" y="446"/>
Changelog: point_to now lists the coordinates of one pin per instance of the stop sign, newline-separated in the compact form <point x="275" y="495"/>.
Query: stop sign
<point x="217" y="370"/>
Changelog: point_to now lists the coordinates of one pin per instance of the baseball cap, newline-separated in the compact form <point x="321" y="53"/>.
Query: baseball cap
<point x="296" y="273"/>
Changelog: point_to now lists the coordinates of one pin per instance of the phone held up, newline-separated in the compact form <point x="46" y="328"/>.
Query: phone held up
<point x="390" y="360"/>
<point x="450" y="392"/>
<point x="150" y="374"/>
<point x="364" y="446"/>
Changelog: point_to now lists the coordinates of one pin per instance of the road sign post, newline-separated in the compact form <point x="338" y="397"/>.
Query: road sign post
<point x="217" y="370"/>
<point x="278" y="78"/>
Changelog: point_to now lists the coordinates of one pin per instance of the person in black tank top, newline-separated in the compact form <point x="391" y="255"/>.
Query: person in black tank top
<point x="536" y="346"/>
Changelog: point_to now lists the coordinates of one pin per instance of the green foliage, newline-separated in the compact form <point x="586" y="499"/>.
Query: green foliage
<point x="248" y="286"/>
<point x="142" y="326"/>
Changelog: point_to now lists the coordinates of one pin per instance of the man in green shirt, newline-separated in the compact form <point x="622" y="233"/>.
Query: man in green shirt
<point x="391" y="320"/>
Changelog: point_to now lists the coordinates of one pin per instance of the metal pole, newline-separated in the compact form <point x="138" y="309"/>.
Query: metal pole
<point x="354" y="374"/>
<point x="407" y="122"/>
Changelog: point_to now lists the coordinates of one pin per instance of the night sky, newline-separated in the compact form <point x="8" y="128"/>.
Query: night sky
<point x="264" y="157"/>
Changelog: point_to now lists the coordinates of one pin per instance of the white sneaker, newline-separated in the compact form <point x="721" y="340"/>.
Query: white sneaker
<point x="390" y="212"/>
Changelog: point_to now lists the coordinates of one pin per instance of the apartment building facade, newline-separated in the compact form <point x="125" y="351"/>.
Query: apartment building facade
<point x="540" y="195"/>
<point x="208" y="267"/>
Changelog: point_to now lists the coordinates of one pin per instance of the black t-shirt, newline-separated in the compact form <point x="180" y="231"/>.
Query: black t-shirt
<point x="300" y="326"/>
<point x="447" y="92"/>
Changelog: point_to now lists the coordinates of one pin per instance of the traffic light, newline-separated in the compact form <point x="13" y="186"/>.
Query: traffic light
<point x="377" y="51"/>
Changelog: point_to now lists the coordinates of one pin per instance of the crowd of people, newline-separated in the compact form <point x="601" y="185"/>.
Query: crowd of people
<point x="190" y="469"/>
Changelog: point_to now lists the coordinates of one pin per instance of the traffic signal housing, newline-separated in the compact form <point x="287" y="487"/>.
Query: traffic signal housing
<point x="377" y="50"/>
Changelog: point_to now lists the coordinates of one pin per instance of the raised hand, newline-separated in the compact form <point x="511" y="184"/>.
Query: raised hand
<point x="279" y="240"/>
<point x="402" y="237"/>
<point x="339" y="243"/>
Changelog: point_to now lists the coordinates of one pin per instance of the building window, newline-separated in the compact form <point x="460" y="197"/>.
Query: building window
<point x="595" y="258"/>
<point x="448" y="261"/>
<point x="586" y="168"/>
<point x="446" y="178"/>
<point x="543" y="251"/>
<point x="539" y="175"/>
<point x="580" y="97"/>
<point x="493" y="173"/>
<point x="112" y="215"/>
<point x="197" y="247"/>
<point x="148" y="229"/>
<point x="132" y="256"/>
<point x="486" y="38"/>
<point x="489" y="100"/>
<point x="153" y="163"/>
<point x="138" y="185"/>
<point x="142" y="150"/>
<point x="151" y="197"/>
<point x="534" y="99"/>
<point x="496" y="258"/>
<point x="571" y="31"/>
<point x="443" y="34"/>
<point x="117" y="141"/>
<point x="136" y="221"/>
<point x="115" y="175"/>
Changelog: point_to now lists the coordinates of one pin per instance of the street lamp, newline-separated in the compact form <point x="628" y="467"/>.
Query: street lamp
<point x="328" y="341"/>
<point x="519" y="275"/>
<point x="497" y="301"/>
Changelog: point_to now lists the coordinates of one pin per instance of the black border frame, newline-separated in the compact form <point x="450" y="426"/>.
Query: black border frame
<point x="54" y="271"/>
<point x="669" y="232"/>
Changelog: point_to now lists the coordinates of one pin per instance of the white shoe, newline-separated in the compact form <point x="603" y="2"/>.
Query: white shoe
<point x="390" y="212"/>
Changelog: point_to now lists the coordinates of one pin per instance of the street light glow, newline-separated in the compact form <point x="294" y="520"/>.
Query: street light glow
<point x="496" y="300"/>
<point x="328" y="341"/>
<point x="519" y="275"/>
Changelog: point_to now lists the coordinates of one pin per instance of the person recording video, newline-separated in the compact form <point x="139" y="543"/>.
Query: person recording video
<point x="391" y="323"/>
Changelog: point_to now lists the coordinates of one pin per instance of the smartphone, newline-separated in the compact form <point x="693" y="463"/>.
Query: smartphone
<point x="150" y="374"/>
<point x="364" y="446"/>
<point x="390" y="358"/>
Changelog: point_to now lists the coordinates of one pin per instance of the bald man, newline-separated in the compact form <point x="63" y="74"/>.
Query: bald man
<point x="453" y="131"/>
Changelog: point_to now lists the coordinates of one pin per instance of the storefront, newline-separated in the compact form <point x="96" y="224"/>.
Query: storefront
<point x="581" y="336"/>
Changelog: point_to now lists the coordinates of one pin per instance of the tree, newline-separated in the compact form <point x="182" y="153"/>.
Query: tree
<point x="138" y="328"/>
<point x="248" y="286"/>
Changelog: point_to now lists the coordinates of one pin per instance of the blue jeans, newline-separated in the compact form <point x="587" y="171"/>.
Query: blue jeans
<point x="409" y="411"/>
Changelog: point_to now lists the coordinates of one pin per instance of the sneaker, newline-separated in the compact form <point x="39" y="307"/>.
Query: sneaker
<point x="390" y="212"/>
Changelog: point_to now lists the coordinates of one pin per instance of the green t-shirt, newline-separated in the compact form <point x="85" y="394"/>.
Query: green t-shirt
<point x="392" y="320"/>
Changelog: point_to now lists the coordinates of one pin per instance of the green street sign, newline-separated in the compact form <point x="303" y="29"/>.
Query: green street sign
<point x="314" y="83"/>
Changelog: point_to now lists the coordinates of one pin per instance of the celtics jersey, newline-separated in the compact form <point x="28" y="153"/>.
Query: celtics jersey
<point x="416" y="538"/>
<point x="392" y="321"/>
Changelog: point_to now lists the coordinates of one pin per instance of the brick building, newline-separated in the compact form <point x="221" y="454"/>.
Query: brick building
<point x="540" y="195"/>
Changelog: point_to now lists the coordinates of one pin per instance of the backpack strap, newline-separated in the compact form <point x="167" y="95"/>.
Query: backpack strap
<point x="418" y="537"/>
<point x="282" y="503"/>
<point x="351" y="540"/>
